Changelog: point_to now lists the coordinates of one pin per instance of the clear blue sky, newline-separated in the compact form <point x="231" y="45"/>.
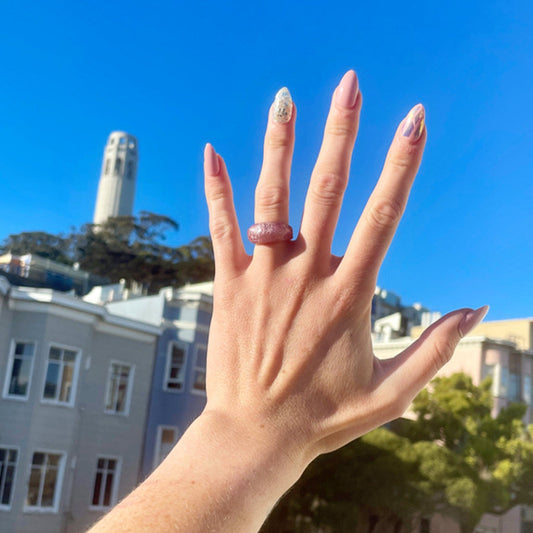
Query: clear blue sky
<point x="178" y="74"/>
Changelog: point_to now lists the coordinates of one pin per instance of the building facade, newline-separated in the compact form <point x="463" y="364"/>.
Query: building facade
<point x="178" y="383"/>
<point x="75" y="383"/>
<point x="116" y="189"/>
<point x="511" y="368"/>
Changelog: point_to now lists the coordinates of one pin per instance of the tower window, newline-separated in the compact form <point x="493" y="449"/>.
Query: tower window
<point x="118" y="166"/>
<point x="107" y="164"/>
<point x="122" y="140"/>
<point x="129" y="172"/>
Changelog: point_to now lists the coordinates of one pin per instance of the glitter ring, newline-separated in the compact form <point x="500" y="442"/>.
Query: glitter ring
<point x="269" y="232"/>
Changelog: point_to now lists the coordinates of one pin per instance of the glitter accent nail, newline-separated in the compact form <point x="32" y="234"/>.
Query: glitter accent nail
<point x="414" y="123"/>
<point x="282" y="110"/>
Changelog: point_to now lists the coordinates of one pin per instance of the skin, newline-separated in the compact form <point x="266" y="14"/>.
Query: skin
<point x="291" y="372"/>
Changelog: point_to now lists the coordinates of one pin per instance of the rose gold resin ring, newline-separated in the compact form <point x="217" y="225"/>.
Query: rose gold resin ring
<point x="269" y="232"/>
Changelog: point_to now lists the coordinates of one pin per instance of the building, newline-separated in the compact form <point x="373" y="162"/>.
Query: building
<point x="30" y="270"/>
<point x="504" y="351"/>
<point x="116" y="189"/>
<point x="177" y="394"/>
<point x="391" y="319"/>
<point x="75" y="388"/>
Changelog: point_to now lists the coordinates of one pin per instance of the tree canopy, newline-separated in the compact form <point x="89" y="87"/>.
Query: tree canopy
<point x="454" y="458"/>
<point x="130" y="248"/>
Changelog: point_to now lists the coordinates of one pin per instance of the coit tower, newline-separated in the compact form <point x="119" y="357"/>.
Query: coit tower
<point x="116" y="189"/>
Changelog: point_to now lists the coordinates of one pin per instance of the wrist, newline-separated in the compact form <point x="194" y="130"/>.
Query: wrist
<point x="244" y="465"/>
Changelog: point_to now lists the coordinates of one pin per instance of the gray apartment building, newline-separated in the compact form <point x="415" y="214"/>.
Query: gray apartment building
<point x="75" y="385"/>
<point x="177" y="395"/>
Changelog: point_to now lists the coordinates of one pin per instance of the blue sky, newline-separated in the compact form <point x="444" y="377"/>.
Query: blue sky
<point x="178" y="74"/>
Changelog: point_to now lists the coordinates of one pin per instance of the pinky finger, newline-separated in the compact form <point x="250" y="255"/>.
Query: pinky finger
<point x="406" y="374"/>
<point x="230" y="256"/>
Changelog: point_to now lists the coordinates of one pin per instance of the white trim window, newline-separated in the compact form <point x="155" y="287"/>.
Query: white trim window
<point x="176" y="365"/>
<point x="8" y="466"/>
<point x="200" y="363"/>
<point x="61" y="375"/>
<point x="44" y="485"/>
<point x="19" y="370"/>
<point x="167" y="436"/>
<point x="105" y="483"/>
<point x="119" y="386"/>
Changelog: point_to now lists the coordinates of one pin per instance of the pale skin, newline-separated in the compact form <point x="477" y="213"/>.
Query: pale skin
<point x="291" y="372"/>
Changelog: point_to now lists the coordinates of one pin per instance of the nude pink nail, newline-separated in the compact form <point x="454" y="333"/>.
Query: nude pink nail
<point x="212" y="166"/>
<point x="471" y="319"/>
<point x="346" y="93"/>
<point x="414" y="123"/>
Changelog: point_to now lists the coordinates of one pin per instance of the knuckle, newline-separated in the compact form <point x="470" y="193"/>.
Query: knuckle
<point x="271" y="196"/>
<point x="385" y="213"/>
<point x="402" y="159"/>
<point x="221" y="229"/>
<point x="341" y="127"/>
<point x="442" y="352"/>
<point x="328" y="188"/>
<point x="277" y="141"/>
<point x="393" y="406"/>
<point x="216" y="195"/>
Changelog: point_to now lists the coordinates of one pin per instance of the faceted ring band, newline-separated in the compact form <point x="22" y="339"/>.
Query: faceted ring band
<point x="269" y="232"/>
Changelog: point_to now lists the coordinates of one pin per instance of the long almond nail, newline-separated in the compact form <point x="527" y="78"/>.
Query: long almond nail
<point x="414" y="123"/>
<point x="346" y="93"/>
<point x="212" y="166"/>
<point x="282" y="108"/>
<point x="471" y="319"/>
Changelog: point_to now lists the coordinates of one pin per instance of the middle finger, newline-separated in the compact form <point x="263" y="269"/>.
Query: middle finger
<point x="330" y="175"/>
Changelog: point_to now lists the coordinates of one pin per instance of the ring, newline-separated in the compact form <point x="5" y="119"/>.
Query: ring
<point x="269" y="232"/>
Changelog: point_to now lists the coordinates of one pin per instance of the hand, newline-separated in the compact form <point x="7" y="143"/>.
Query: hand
<point x="290" y="341"/>
<point x="291" y="372"/>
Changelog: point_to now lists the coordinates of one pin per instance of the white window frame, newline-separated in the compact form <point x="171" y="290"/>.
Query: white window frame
<point x="116" y="482"/>
<point x="75" y="375"/>
<point x="7" y="447"/>
<point x="157" y="447"/>
<point x="59" y="483"/>
<point x="129" y="390"/>
<point x="9" y="369"/>
<point x="196" y="368"/>
<point x="166" y="376"/>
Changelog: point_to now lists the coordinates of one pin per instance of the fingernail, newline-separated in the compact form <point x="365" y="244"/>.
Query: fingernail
<point x="414" y="123"/>
<point x="471" y="319"/>
<point x="346" y="92"/>
<point x="282" y="109"/>
<point x="212" y="166"/>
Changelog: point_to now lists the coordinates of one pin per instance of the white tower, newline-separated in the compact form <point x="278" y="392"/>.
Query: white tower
<point x="116" y="190"/>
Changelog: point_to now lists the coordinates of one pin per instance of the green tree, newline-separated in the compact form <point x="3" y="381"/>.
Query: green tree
<point x="454" y="458"/>
<point x="133" y="248"/>
<point x="487" y="461"/>
<point x="55" y="247"/>
<point x="130" y="248"/>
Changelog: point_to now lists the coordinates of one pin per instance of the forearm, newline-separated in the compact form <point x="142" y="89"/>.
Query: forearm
<point x="219" y="477"/>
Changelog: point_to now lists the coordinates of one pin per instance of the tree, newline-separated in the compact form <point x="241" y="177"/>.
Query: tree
<point x="54" y="247"/>
<point x="130" y="248"/>
<point x="133" y="248"/>
<point x="489" y="460"/>
<point x="455" y="459"/>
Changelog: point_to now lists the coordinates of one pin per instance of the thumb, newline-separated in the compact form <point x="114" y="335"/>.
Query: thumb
<point x="412" y="369"/>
